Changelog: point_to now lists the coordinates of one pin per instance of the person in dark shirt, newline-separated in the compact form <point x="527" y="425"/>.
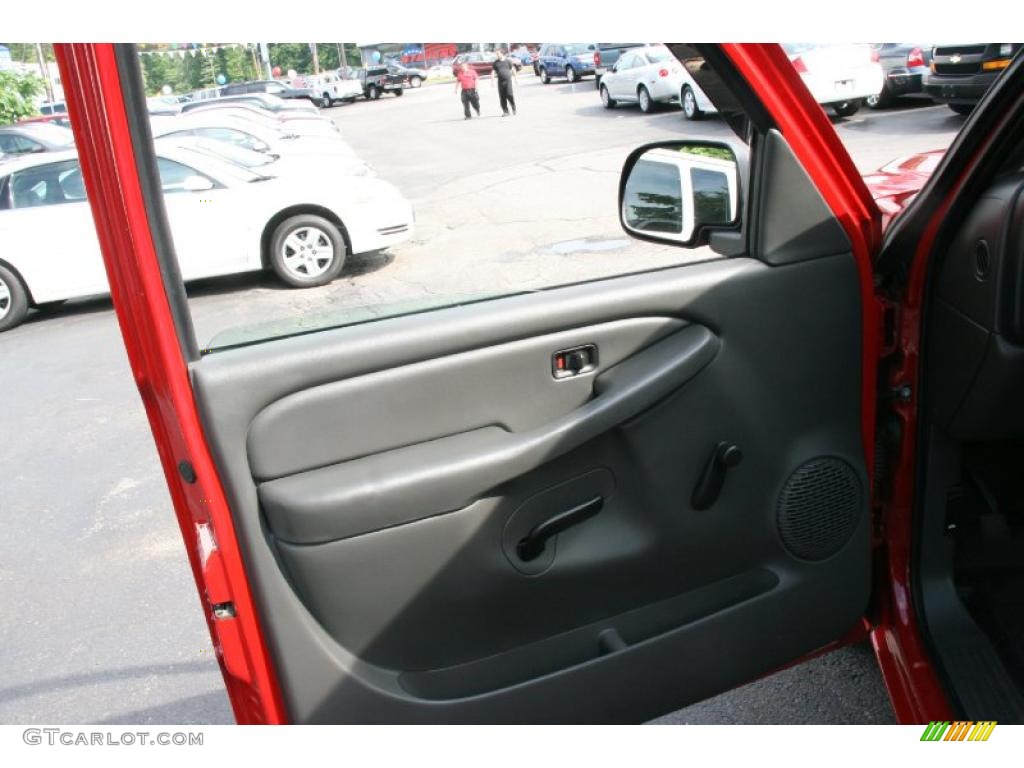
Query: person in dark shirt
<point x="504" y="73"/>
<point x="465" y="81"/>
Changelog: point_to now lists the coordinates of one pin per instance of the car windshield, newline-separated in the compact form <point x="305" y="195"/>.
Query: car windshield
<point x="54" y="134"/>
<point x="224" y="168"/>
<point x="222" y="150"/>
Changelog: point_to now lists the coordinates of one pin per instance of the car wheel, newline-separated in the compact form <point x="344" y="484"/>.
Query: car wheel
<point x="373" y="92"/>
<point x="398" y="92"/>
<point x="326" y="102"/>
<point x="306" y="251"/>
<point x="606" y="99"/>
<point x="846" y="108"/>
<point x="570" y="75"/>
<point x="415" y="82"/>
<point x="544" y="76"/>
<point x="13" y="300"/>
<point x="962" y="109"/>
<point x="880" y="100"/>
<point x="688" y="101"/>
<point x="646" y="104"/>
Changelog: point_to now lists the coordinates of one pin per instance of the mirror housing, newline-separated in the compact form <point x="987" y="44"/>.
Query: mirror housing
<point x="196" y="184"/>
<point x="678" y="192"/>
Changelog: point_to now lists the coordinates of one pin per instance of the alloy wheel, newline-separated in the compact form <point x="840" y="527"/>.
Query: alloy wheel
<point x="307" y="252"/>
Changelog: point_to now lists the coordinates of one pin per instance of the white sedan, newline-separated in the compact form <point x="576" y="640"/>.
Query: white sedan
<point x="839" y="76"/>
<point x="251" y="135"/>
<point x="646" y="76"/>
<point x="301" y="123"/>
<point x="224" y="219"/>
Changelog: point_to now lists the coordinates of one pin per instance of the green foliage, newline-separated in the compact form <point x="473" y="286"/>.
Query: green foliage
<point x="17" y="96"/>
<point x="718" y="152"/>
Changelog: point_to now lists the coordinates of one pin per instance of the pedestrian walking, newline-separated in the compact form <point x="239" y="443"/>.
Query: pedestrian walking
<point x="504" y="73"/>
<point x="465" y="81"/>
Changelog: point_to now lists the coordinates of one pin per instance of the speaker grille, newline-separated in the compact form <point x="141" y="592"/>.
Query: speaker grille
<point x="819" y="508"/>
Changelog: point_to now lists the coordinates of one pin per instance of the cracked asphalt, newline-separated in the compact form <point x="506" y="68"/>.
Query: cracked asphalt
<point x="101" y="621"/>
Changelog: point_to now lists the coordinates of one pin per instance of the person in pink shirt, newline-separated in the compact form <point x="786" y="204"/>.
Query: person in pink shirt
<point x="465" y="80"/>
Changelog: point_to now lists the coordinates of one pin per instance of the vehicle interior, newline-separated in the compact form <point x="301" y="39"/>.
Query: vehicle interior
<point x="970" y="512"/>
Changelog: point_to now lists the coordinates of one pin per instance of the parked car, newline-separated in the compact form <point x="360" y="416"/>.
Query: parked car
<point x="225" y="219"/>
<point x="60" y="118"/>
<point x="523" y="55"/>
<point x="377" y="81"/>
<point x="960" y="74"/>
<point x="250" y="134"/>
<point x="904" y="66"/>
<point x="299" y="123"/>
<point x="646" y="76"/>
<point x="264" y="101"/>
<point x="287" y="166"/>
<point x="332" y="88"/>
<point x="839" y="76"/>
<point x="274" y="88"/>
<point x="26" y="138"/>
<point x="53" y="108"/>
<point x="569" y="60"/>
<point x="413" y="75"/>
<point x="163" y="105"/>
<point x="606" y="55"/>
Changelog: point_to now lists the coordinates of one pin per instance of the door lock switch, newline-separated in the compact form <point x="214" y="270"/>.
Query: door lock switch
<point x="573" y="362"/>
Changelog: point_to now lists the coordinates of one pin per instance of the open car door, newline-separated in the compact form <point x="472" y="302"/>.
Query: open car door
<point x="598" y="502"/>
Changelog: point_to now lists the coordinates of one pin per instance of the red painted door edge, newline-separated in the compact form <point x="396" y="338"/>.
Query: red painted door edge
<point x="96" y="106"/>
<point x="914" y="688"/>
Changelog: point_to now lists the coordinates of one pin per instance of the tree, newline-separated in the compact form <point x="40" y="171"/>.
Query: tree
<point x="17" y="96"/>
<point x="288" y="56"/>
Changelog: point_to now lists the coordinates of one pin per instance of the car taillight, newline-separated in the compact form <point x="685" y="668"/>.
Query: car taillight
<point x="799" y="66"/>
<point x="915" y="58"/>
<point x="874" y="54"/>
<point x="597" y="58"/>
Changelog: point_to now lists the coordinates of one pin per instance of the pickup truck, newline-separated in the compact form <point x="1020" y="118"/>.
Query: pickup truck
<point x="334" y="88"/>
<point x="605" y="57"/>
<point x="378" y="80"/>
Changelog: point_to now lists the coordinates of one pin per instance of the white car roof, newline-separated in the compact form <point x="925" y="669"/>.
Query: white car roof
<point x="14" y="163"/>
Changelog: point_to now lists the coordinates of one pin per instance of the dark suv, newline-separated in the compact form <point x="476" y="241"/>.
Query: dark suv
<point x="272" y="87"/>
<point x="960" y="74"/>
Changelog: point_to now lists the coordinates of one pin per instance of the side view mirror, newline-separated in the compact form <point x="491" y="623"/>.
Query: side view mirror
<point x="196" y="184"/>
<point x="672" y="192"/>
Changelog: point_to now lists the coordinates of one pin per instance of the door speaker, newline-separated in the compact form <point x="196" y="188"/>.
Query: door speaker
<point x="819" y="508"/>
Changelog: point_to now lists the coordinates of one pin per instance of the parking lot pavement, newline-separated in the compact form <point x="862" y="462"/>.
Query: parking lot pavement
<point x="100" y="613"/>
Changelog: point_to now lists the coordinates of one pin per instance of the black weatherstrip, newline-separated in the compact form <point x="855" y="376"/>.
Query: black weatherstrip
<point x="133" y="92"/>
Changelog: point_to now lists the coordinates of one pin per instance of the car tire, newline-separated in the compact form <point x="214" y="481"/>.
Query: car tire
<point x="606" y="99"/>
<point x="846" y="108"/>
<point x="398" y="92"/>
<point x="373" y="92"/>
<point x="962" y="109"/>
<point x="544" y="78"/>
<point x="288" y="251"/>
<point x="326" y="102"/>
<point x="415" y="82"/>
<point x="646" y="102"/>
<point x="13" y="300"/>
<point x="570" y="75"/>
<point x="688" y="103"/>
<point x="880" y="100"/>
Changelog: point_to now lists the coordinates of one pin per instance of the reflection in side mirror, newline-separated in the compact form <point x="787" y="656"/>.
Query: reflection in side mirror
<point x="196" y="184"/>
<point x="671" y="190"/>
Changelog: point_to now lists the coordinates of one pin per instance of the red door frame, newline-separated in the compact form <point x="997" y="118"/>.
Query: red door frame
<point x="93" y="88"/>
<point x="914" y="688"/>
<point x="98" y="118"/>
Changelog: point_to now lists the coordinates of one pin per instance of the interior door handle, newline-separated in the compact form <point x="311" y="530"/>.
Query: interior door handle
<point x="449" y="473"/>
<point x="532" y="545"/>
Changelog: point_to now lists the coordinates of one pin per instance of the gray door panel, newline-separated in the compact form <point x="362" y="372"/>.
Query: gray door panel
<point x="385" y="561"/>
